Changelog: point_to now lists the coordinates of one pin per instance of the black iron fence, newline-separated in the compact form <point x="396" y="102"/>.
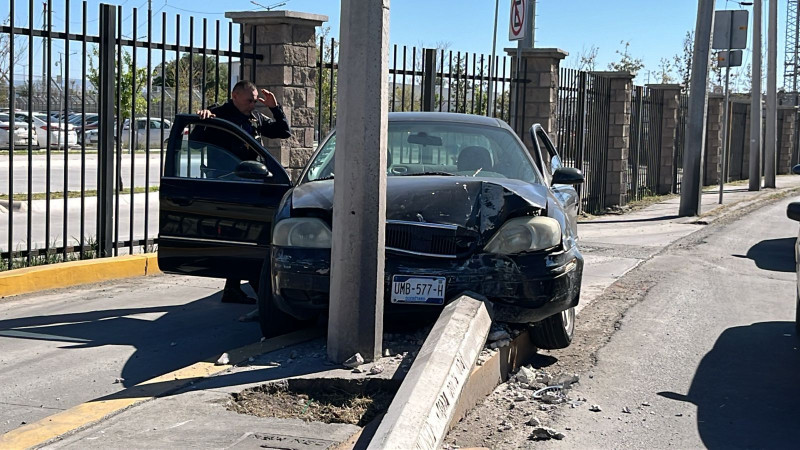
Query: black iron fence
<point x="59" y="205"/>
<point x="644" y="157"/>
<point x="680" y="142"/>
<point x="424" y="79"/>
<point x="584" y="102"/>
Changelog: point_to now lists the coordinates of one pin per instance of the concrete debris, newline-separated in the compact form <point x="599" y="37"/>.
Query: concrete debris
<point x="552" y="398"/>
<point x="519" y="398"/>
<point x="645" y="404"/>
<point x="626" y="410"/>
<point x="595" y="408"/>
<point x="374" y="370"/>
<point x="566" y="380"/>
<point x="398" y="356"/>
<point x="545" y="434"/>
<point x="224" y="359"/>
<point x="546" y="407"/>
<point x="118" y="380"/>
<point x="251" y="359"/>
<point x="354" y="361"/>
<point x="679" y="415"/>
<point x="500" y="344"/>
<point x="525" y="375"/>
<point x="273" y="364"/>
<point x="498" y="335"/>
<point x="357" y="370"/>
<point x="387" y="352"/>
<point x="173" y="344"/>
<point x="534" y="422"/>
<point x="543" y="377"/>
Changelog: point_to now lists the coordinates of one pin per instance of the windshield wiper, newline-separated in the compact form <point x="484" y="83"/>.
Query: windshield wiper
<point x="427" y="173"/>
<point x="330" y="177"/>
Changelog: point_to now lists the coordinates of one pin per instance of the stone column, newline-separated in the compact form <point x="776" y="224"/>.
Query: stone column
<point x="713" y="156"/>
<point x="669" y="129"/>
<point x="619" y="140"/>
<point x="539" y="99"/>
<point x="286" y="40"/>
<point x="786" y="122"/>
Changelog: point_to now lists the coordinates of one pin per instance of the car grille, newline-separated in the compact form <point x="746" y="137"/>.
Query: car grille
<point x="445" y="241"/>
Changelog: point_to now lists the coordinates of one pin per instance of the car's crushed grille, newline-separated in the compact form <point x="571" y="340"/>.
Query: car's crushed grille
<point x="446" y="241"/>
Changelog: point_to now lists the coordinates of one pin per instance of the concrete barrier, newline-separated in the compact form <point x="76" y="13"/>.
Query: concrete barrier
<point x="61" y="275"/>
<point x="425" y="404"/>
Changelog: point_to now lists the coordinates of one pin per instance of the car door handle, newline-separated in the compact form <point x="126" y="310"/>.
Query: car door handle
<point x="182" y="201"/>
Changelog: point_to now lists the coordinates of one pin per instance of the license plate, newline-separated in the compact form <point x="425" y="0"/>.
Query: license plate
<point x="418" y="289"/>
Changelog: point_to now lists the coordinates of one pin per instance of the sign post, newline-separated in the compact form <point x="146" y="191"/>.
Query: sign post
<point x="730" y="31"/>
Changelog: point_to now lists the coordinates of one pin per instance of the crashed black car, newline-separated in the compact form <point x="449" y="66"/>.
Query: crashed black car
<point x="468" y="209"/>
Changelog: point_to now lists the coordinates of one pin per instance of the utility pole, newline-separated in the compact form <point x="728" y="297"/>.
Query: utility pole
<point x="355" y="319"/>
<point x="492" y="63"/>
<point x="530" y="39"/>
<point x="698" y="101"/>
<point x="755" y="103"/>
<point x="771" y="141"/>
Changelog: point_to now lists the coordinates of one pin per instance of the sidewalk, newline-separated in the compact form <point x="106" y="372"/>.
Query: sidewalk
<point x="196" y="415"/>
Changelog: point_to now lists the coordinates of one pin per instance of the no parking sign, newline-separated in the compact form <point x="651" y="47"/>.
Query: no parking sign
<point x="517" y="25"/>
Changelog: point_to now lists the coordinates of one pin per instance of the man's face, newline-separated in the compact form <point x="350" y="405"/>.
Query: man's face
<point x="244" y="100"/>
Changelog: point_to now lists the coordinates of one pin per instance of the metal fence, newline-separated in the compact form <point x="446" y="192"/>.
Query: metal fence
<point x="644" y="157"/>
<point x="680" y="142"/>
<point x="424" y="79"/>
<point x="88" y="192"/>
<point x="584" y="102"/>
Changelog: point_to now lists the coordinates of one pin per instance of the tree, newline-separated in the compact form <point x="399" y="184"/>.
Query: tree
<point x="665" y="67"/>
<point x="626" y="63"/>
<point x="127" y="77"/>
<point x="7" y="61"/>
<point x="215" y="89"/>
<point x="683" y="61"/>
<point x="586" y="59"/>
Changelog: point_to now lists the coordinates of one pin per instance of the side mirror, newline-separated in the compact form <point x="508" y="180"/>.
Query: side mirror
<point x="793" y="210"/>
<point x="568" y="175"/>
<point x="796" y="169"/>
<point x="252" y="170"/>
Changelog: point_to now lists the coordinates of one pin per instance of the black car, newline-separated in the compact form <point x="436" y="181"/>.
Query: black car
<point x="793" y="212"/>
<point x="468" y="209"/>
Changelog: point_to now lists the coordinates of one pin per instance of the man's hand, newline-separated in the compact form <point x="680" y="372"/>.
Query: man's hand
<point x="268" y="98"/>
<point x="205" y="114"/>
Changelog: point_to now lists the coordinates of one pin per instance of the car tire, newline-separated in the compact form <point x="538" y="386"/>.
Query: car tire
<point x="555" y="331"/>
<point x="272" y="320"/>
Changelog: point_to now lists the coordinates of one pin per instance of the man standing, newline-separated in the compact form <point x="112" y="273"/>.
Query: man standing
<point x="240" y="110"/>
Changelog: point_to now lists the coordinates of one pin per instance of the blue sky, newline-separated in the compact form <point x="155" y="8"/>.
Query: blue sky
<point x="654" y="28"/>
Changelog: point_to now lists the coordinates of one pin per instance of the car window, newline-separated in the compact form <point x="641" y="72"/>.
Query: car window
<point x="213" y="153"/>
<point x="155" y="124"/>
<point x="419" y="148"/>
<point x="141" y="124"/>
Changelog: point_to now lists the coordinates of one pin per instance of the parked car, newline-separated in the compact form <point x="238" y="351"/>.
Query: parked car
<point x="91" y="121"/>
<point x="43" y="127"/>
<point x="20" y="133"/>
<point x="468" y="208"/>
<point x="141" y="124"/>
<point x="793" y="212"/>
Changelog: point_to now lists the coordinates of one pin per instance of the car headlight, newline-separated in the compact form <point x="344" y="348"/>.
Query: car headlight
<point x="302" y="232"/>
<point x="525" y="234"/>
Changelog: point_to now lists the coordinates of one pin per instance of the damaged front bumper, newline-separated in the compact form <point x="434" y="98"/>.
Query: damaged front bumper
<point x="523" y="288"/>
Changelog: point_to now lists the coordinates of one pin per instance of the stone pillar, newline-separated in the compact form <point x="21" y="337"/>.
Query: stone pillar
<point x="619" y="141"/>
<point x="713" y="156"/>
<point x="539" y="99"/>
<point x="669" y="129"/>
<point x="287" y="42"/>
<point x="786" y="122"/>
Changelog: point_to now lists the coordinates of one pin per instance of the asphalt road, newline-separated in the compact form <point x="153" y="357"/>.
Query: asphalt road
<point x="39" y="171"/>
<point x="69" y="346"/>
<point x="709" y="357"/>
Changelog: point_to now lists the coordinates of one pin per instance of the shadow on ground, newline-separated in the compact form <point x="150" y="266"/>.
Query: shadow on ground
<point x="776" y="255"/>
<point x="746" y="388"/>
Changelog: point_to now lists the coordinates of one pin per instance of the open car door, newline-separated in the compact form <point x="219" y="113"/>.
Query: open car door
<point x="218" y="196"/>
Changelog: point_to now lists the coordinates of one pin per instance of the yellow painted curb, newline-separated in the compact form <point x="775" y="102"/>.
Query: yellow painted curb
<point x="60" y="275"/>
<point x="80" y="416"/>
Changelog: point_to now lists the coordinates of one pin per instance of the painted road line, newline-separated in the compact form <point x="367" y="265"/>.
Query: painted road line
<point x="91" y="412"/>
<point x="61" y="275"/>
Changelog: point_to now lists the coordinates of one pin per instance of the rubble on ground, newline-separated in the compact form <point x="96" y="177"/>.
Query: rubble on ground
<point x="354" y="361"/>
<point x="223" y="360"/>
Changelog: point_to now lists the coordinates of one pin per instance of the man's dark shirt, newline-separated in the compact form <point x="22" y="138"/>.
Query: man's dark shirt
<point x="256" y="124"/>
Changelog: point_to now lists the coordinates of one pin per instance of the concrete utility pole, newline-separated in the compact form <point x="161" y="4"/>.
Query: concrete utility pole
<point x="492" y="64"/>
<point x="771" y="141"/>
<point x="355" y="323"/>
<point x="698" y="102"/>
<point x="755" y="105"/>
<point x="530" y="38"/>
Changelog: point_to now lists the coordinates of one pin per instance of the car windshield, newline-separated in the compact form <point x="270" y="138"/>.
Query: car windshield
<point x="417" y="148"/>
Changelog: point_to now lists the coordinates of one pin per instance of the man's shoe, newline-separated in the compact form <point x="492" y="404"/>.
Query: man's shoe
<point x="237" y="296"/>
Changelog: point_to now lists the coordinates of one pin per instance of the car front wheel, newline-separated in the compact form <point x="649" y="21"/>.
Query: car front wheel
<point x="555" y="331"/>
<point x="272" y="320"/>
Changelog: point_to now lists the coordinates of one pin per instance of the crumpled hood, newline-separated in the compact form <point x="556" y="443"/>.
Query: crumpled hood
<point x="480" y="205"/>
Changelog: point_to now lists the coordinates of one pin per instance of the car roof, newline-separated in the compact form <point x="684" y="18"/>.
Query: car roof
<point x="425" y="116"/>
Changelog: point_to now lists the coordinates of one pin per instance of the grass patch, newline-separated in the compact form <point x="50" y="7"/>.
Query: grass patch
<point x="73" y="194"/>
